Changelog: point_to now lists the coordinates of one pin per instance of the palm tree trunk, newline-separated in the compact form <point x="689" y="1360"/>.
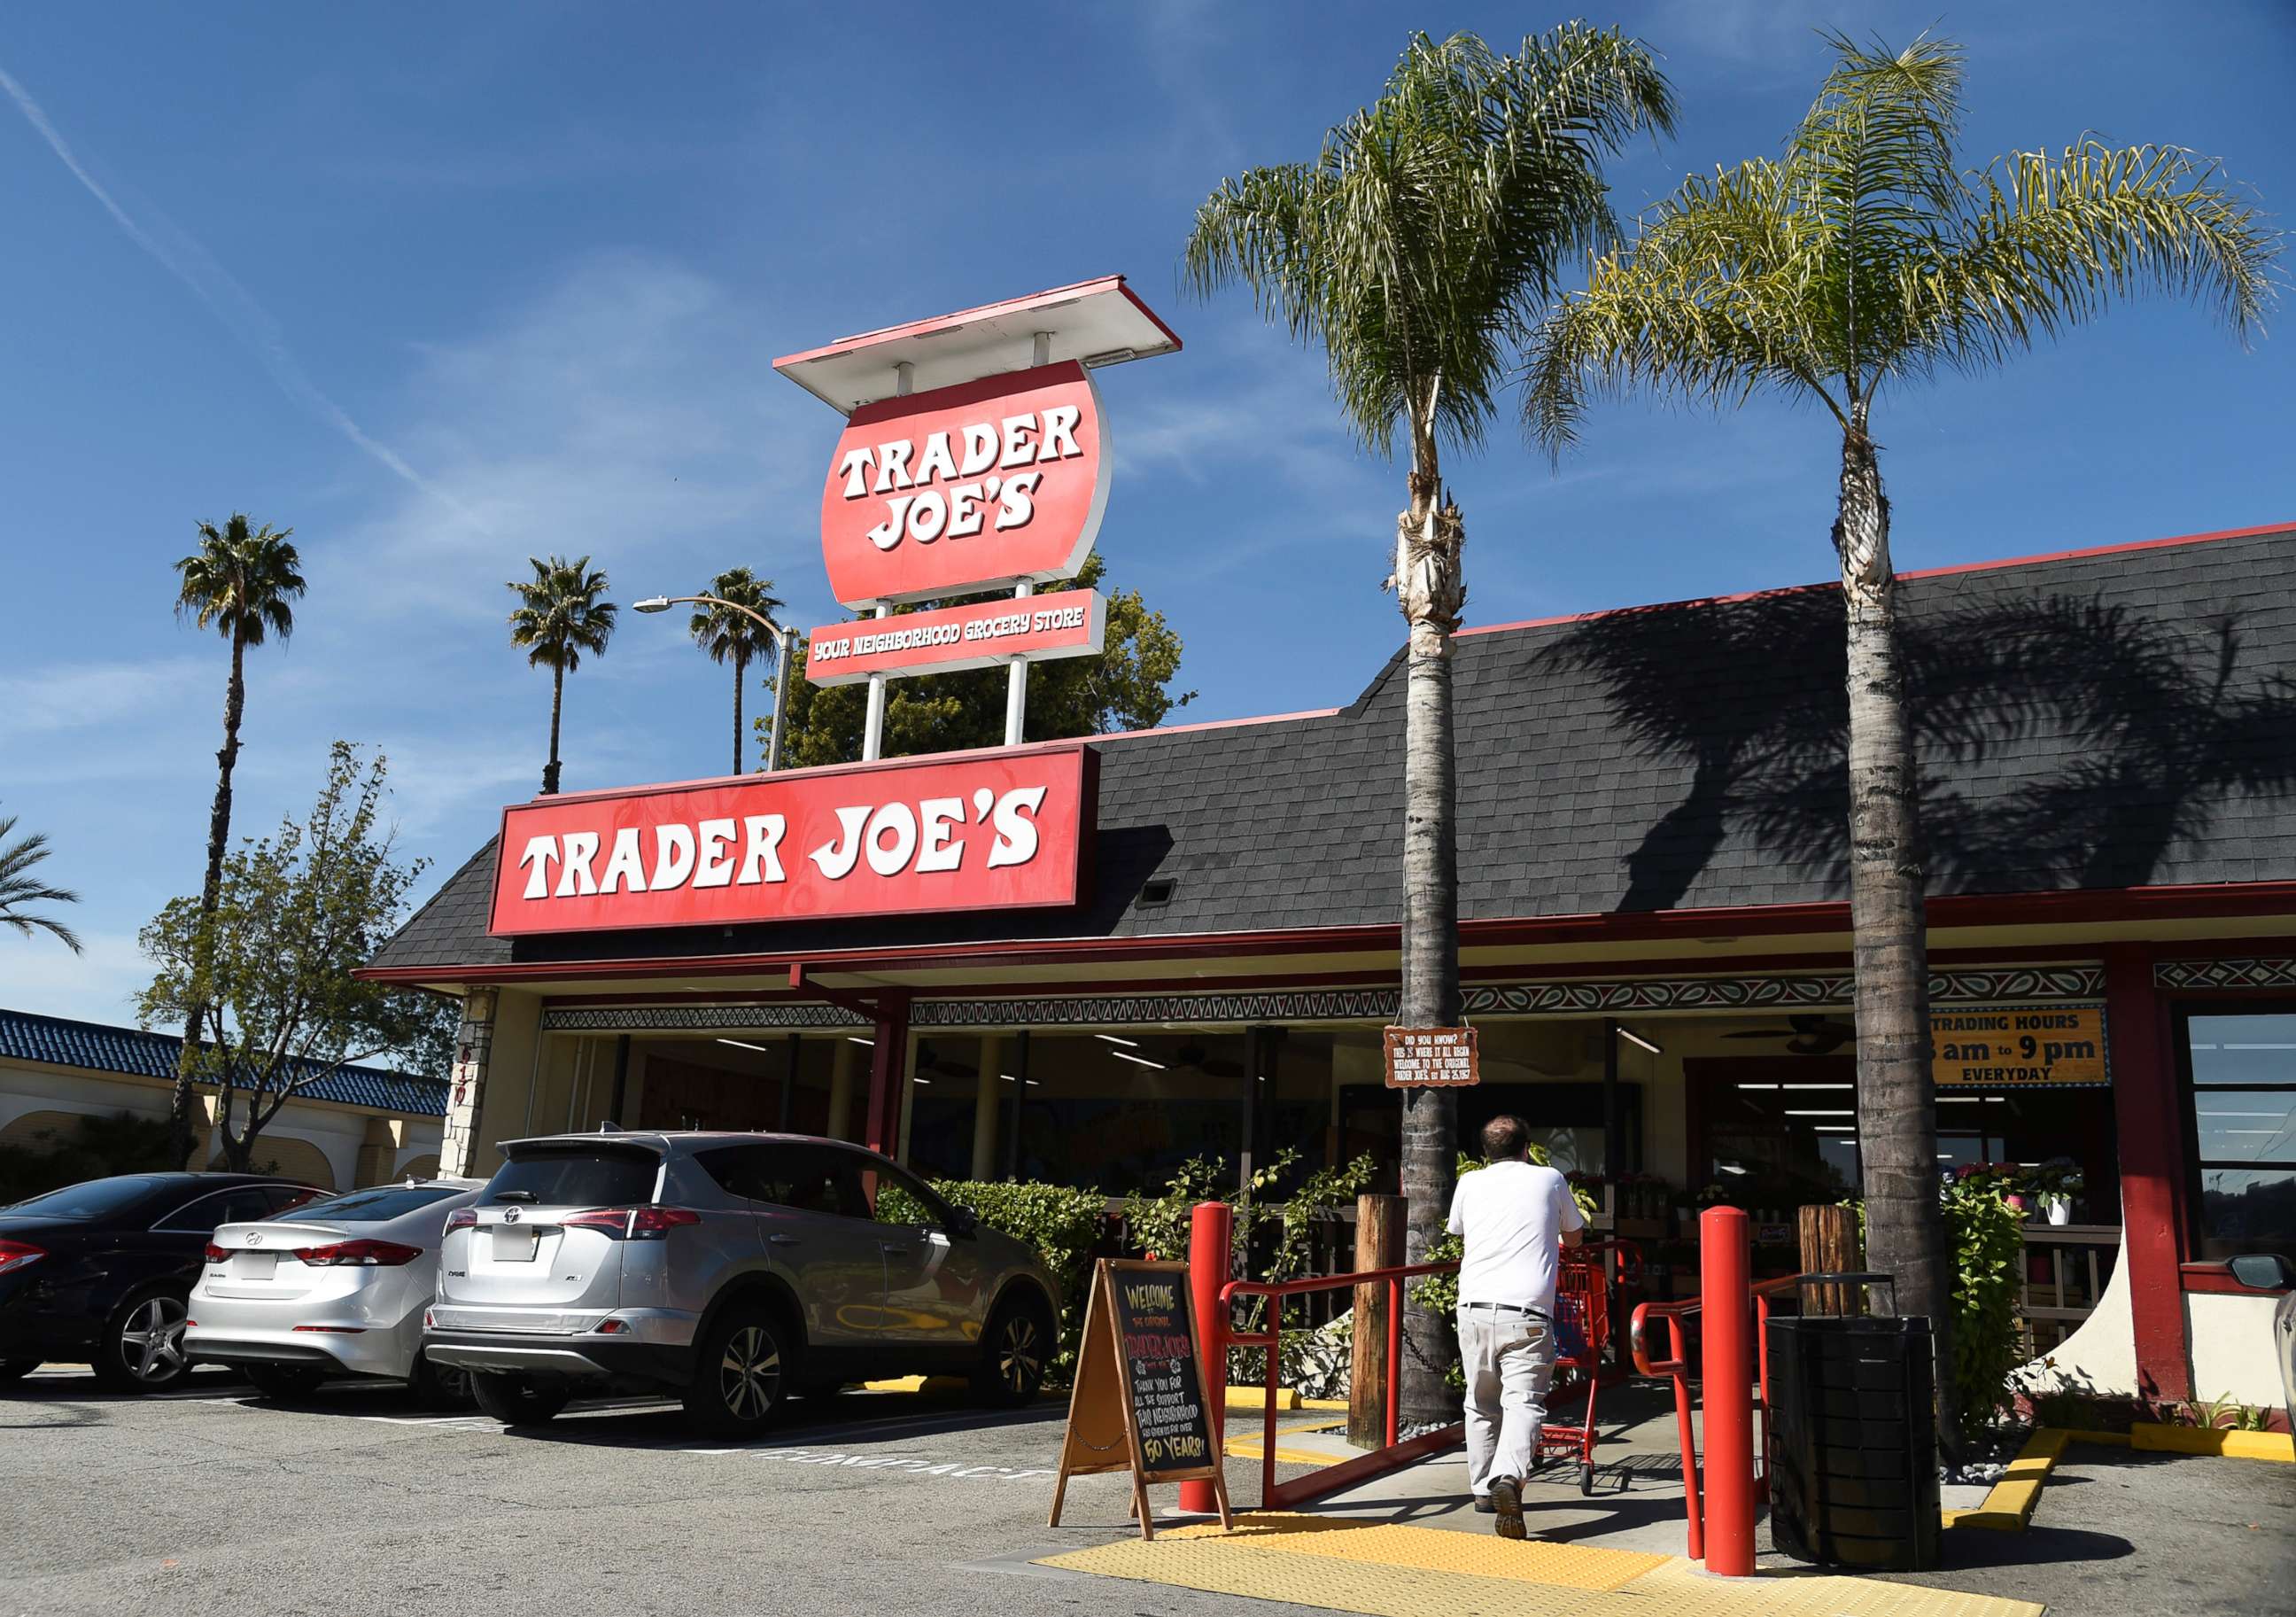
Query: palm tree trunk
<point x="741" y="665"/>
<point x="234" y="706"/>
<point x="1429" y="588"/>
<point x="1897" y="1102"/>
<point x="557" y="702"/>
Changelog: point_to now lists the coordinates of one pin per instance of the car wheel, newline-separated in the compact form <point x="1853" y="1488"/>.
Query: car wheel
<point x="142" y="1349"/>
<point x="740" y="1370"/>
<point x="434" y="1386"/>
<point x="16" y="1369"/>
<point x="516" y="1401"/>
<point x="284" y="1383"/>
<point x="1016" y="1349"/>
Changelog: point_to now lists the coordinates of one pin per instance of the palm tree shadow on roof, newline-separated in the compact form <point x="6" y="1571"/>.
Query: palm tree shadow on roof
<point x="2063" y="742"/>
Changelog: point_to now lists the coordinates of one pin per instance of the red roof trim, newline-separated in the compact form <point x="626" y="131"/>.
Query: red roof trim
<point x="1974" y="909"/>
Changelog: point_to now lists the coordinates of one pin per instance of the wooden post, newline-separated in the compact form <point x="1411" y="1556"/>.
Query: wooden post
<point x="1379" y="1245"/>
<point x="1829" y="1246"/>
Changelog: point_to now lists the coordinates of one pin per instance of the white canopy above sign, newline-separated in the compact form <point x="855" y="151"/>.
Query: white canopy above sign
<point x="1099" y="323"/>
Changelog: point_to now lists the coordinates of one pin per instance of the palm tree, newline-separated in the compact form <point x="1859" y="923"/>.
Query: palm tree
<point x="238" y="582"/>
<point x="1417" y="248"/>
<point x="1863" y="258"/>
<point x="560" y="614"/>
<point x="736" y="637"/>
<point x="18" y="887"/>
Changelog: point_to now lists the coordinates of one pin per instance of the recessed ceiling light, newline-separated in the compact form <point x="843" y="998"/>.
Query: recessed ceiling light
<point x="745" y="1044"/>
<point x="855" y="1038"/>
<point x="1791" y="1112"/>
<point x="1638" y="1041"/>
<point x="1138" y="1060"/>
<point x="1129" y="1044"/>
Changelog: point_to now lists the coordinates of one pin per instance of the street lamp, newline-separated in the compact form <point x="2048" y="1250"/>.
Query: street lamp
<point x="784" y="639"/>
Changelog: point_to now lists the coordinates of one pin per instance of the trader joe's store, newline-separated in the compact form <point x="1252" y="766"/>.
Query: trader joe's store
<point x="1183" y="942"/>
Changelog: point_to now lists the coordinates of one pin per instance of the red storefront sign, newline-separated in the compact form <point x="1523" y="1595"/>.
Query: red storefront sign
<point x="977" y="635"/>
<point x="990" y="830"/>
<point x="966" y="487"/>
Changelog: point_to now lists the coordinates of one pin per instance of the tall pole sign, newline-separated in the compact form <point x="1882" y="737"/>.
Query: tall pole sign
<point x="974" y="459"/>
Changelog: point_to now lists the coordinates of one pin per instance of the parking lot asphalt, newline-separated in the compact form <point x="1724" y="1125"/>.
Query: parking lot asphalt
<point x="210" y="1500"/>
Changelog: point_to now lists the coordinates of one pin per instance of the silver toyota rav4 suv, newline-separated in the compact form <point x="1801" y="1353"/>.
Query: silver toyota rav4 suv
<point x="730" y="1270"/>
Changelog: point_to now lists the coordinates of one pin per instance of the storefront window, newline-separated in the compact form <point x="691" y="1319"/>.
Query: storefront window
<point x="1121" y="1111"/>
<point x="2242" y="1067"/>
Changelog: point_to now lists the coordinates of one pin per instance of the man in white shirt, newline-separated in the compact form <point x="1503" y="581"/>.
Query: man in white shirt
<point x="1516" y="1217"/>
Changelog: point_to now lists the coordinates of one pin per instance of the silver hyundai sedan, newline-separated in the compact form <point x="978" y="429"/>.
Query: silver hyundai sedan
<point x="332" y="1287"/>
<point x="727" y="1270"/>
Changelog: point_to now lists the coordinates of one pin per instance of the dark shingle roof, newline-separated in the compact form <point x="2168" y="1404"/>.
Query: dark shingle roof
<point x="2115" y="719"/>
<point x="101" y="1049"/>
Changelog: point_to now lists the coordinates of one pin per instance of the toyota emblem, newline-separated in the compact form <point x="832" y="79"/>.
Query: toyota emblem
<point x="255" y="1238"/>
<point x="510" y="1215"/>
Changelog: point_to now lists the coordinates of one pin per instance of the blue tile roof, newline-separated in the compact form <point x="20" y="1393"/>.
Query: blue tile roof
<point x="92" y="1044"/>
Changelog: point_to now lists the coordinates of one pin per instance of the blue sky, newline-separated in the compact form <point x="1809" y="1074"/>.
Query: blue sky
<point x="445" y="286"/>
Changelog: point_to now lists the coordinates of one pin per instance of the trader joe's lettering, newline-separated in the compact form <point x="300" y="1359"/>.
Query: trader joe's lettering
<point x="1006" y="831"/>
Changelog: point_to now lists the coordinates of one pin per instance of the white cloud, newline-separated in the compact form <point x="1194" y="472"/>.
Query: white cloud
<point x="64" y="697"/>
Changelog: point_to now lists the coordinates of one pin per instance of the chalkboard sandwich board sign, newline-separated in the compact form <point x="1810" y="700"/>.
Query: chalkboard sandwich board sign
<point x="1138" y="1402"/>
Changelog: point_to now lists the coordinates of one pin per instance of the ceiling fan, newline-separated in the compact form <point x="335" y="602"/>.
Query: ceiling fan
<point x="1807" y="1034"/>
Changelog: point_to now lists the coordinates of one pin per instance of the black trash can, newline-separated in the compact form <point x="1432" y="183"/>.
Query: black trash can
<point x="1853" y="1443"/>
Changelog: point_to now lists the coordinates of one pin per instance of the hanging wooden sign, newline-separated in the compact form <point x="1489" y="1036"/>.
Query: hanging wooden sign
<point x="1138" y="1401"/>
<point x="1432" y="1058"/>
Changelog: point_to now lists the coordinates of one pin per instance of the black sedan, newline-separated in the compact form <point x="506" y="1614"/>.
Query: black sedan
<point x="100" y="1271"/>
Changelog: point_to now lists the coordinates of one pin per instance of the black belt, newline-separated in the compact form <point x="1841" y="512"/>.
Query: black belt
<point x="1511" y="1308"/>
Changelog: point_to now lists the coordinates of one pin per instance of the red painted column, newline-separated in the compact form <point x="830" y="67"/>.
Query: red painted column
<point x="888" y="1062"/>
<point x="1211" y="1225"/>
<point x="2149" y="1117"/>
<point x="1726" y="1284"/>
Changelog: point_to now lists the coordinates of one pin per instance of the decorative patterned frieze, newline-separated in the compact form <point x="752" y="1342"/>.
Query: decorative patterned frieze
<point x="2276" y="973"/>
<point x="1826" y="990"/>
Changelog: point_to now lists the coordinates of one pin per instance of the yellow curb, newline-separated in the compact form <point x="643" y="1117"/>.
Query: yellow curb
<point x="1240" y="1449"/>
<point x="918" y="1384"/>
<point x="2216" y="1441"/>
<point x="1255" y="1398"/>
<point x="1323" y="1403"/>
<point x="2009" y="1505"/>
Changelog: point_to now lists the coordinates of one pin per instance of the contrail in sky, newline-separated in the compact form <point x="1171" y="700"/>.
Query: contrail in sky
<point x="228" y="300"/>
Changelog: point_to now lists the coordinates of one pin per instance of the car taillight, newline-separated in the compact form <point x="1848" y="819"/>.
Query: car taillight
<point x="16" y="1254"/>
<point x="216" y="1254"/>
<point x="462" y="1217"/>
<point x="633" y="1223"/>
<point x="364" y="1254"/>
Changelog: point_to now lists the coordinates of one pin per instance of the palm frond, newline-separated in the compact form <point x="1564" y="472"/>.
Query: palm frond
<point x="732" y="636"/>
<point x="1418" y="246"/>
<point x="562" y="613"/>
<point x="18" y="888"/>
<point x="241" y="581"/>
<point x="2050" y="242"/>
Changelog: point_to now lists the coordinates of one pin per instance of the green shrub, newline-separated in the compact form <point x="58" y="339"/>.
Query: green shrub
<point x="95" y="1147"/>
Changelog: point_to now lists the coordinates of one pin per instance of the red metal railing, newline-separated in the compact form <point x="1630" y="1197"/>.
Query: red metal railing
<point x="1738" y="1492"/>
<point x="1378" y="1461"/>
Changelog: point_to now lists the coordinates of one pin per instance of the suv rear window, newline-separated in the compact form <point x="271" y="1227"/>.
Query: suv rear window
<point x="576" y="1175"/>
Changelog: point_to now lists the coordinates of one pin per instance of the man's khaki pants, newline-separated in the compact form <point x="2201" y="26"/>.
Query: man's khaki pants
<point x="1509" y="1358"/>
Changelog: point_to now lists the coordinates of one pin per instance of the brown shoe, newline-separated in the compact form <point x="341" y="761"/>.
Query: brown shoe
<point x="1506" y="1500"/>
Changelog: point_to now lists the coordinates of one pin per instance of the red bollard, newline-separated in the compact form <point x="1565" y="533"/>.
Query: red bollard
<point x="1727" y="1287"/>
<point x="1211" y="1228"/>
<point x="1211" y="1225"/>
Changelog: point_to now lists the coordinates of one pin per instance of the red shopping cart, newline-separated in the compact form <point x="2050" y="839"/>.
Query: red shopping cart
<point x="1582" y="1334"/>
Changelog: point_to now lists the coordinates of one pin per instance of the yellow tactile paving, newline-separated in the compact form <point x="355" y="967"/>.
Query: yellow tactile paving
<point x="1387" y="1570"/>
<point x="1390" y="1544"/>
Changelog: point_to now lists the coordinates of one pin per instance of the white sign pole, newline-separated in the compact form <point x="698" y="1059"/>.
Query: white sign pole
<point x="1016" y="678"/>
<point x="873" y="729"/>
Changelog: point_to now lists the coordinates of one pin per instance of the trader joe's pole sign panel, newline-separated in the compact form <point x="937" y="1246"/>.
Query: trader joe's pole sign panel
<point x="1431" y="1058"/>
<point x="2018" y="1047"/>
<point x="968" y="487"/>
<point x="976" y="634"/>
<point x="992" y="830"/>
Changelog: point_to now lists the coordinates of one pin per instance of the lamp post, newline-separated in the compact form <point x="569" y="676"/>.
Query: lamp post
<point x="785" y="643"/>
